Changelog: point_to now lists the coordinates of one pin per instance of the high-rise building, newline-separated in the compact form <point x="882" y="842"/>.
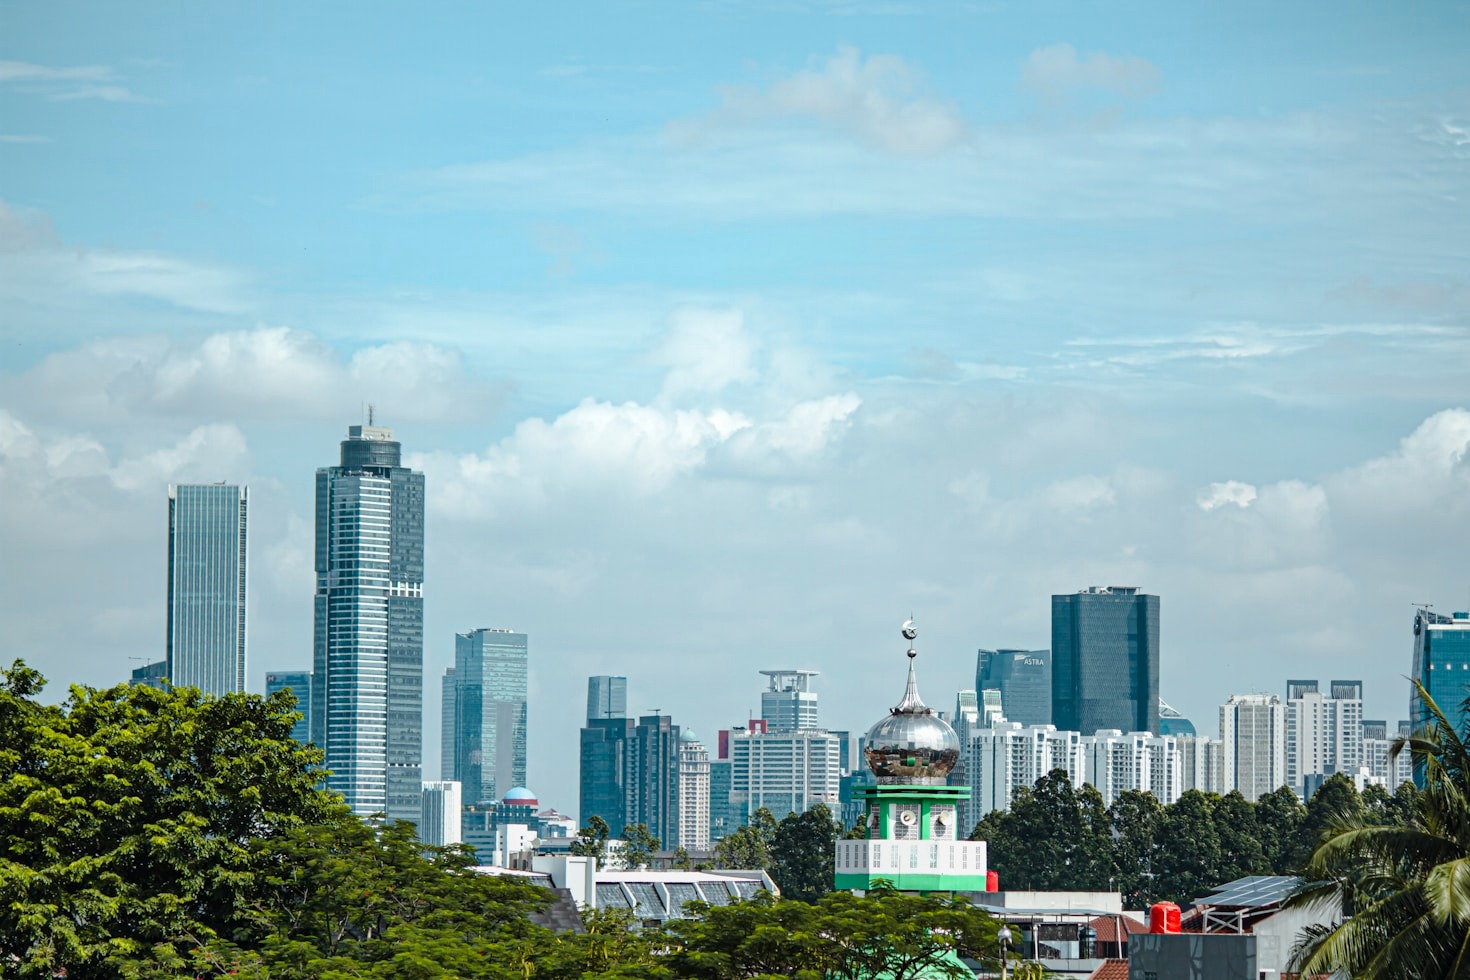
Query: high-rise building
<point x="722" y="817"/>
<point x="1202" y="764"/>
<point x="490" y="680"/>
<point x="606" y="744"/>
<point x="788" y="704"/>
<point x="607" y="697"/>
<point x="439" y="814"/>
<point x="1384" y="768"/>
<point x="1023" y="678"/>
<point x="653" y="778"/>
<point x="1173" y="722"/>
<point x="298" y="682"/>
<point x="448" y="707"/>
<point x="368" y="669"/>
<point x="152" y="675"/>
<point x="205" y="645"/>
<point x="1324" y="730"/>
<point x="1116" y="762"/>
<point x="694" y="784"/>
<point x="1253" y="729"/>
<point x="1441" y="664"/>
<point x="1105" y="660"/>
<point x="785" y="772"/>
<point x="1003" y="756"/>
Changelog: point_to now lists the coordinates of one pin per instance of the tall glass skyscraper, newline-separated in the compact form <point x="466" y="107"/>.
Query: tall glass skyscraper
<point x="607" y="697"/>
<point x="489" y="695"/>
<point x="298" y="682"/>
<point x="1441" y="664"/>
<point x="205" y="645"/>
<point x="1023" y="678"/>
<point x="1105" y="660"/>
<point x="368" y="658"/>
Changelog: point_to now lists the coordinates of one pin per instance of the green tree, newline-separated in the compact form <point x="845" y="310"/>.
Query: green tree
<point x="1336" y="801"/>
<point x="128" y="819"/>
<point x="1241" y="852"/>
<point x="1189" y="854"/>
<point x="1279" y="816"/>
<point x="681" y="860"/>
<point x="591" y="840"/>
<point x="1136" y="819"/>
<point x="1405" y="888"/>
<point x="1053" y="837"/>
<point x="748" y="848"/>
<point x="638" y="846"/>
<point x="803" y="852"/>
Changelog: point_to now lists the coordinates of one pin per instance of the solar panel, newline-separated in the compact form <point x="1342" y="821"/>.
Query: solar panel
<point x="1255" y="891"/>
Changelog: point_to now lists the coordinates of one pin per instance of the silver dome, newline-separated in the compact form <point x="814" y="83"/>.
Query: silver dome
<point x="912" y="745"/>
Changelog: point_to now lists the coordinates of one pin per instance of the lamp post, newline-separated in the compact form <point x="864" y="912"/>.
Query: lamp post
<point x="1003" y="936"/>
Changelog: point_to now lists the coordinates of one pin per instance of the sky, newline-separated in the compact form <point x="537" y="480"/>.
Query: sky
<point x="730" y="335"/>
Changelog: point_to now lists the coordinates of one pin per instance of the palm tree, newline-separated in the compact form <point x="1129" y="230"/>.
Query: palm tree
<point x="1405" y="889"/>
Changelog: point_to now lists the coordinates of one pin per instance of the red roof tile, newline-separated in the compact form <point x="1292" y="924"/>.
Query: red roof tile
<point x="1111" y="970"/>
<point x="1107" y="927"/>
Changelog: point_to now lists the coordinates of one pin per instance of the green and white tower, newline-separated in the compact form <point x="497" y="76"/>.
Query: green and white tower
<point x="912" y="816"/>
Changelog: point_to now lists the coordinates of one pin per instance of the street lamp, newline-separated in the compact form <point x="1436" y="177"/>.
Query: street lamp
<point x="1004" y="937"/>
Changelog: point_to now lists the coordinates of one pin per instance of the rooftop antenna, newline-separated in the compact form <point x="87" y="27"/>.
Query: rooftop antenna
<point x="370" y="413"/>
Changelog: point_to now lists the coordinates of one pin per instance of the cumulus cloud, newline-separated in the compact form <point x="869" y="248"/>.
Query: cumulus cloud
<point x="876" y="99"/>
<point x="706" y="351"/>
<point x="1231" y="493"/>
<point x="1057" y="73"/>
<point x="1428" y="467"/>
<point x="268" y="372"/>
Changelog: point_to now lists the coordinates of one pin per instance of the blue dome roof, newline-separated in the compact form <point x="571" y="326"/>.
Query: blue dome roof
<point x="519" y="793"/>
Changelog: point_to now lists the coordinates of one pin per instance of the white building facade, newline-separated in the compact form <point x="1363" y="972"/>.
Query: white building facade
<point x="1253" y="730"/>
<point x="1324" y="730"/>
<point x="440" y="814"/>
<point x="693" y="793"/>
<point x="1118" y="761"/>
<point x="1202" y="765"/>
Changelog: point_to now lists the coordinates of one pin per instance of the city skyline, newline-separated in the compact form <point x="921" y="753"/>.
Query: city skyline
<point x="734" y="332"/>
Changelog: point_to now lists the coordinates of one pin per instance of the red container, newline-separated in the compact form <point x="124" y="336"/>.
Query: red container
<point x="1163" y="917"/>
<point x="992" y="881"/>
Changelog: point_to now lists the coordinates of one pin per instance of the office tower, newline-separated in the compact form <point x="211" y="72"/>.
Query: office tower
<point x="788" y="704"/>
<point x="439" y="814"/>
<point x="992" y="707"/>
<point x="152" y="675"/>
<point x="1023" y="678"/>
<point x="1442" y="664"/>
<point x="722" y="818"/>
<point x="607" y="697"/>
<point x="694" y="785"/>
<point x="490" y="680"/>
<point x="205" y="646"/>
<point x="606" y="745"/>
<point x="1105" y="660"/>
<point x="1202" y="764"/>
<point x="1253" y="728"/>
<point x="298" y="682"/>
<point x="785" y="772"/>
<point x="653" y="778"/>
<point x="448" y="707"/>
<point x="1117" y="761"/>
<point x="368" y="670"/>
<point x="1324" y="731"/>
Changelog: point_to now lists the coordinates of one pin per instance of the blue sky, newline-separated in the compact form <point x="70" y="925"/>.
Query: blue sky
<point x="729" y="334"/>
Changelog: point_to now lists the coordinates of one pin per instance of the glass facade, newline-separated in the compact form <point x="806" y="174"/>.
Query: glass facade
<point x="367" y="699"/>
<point x="1023" y="678"/>
<point x="607" y="697"/>
<point x="1105" y="660"/>
<point x="490" y="679"/>
<point x="205" y="641"/>
<point x="1442" y="665"/>
<point x="298" y="682"/>
<point x="788" y="704"/>
<point x="603" y="761"/>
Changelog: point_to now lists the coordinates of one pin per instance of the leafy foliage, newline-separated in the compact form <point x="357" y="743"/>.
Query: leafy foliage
<point x="639" y="845"/>
<point x="748" y="848"/>
<point x="802" y="854"/>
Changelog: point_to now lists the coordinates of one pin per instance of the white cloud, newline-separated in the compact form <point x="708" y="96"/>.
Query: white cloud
<point x="1079" y="494"/>
<point x="67" y="84"/>
<point x="268" y="372"/>
<point x="1230" y="493"/>
<point x="874" y="99"/>
<point x="1056" y="73"/>
<point x="706" y="351"/>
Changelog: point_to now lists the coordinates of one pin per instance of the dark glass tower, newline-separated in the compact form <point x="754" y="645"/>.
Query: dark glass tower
<point x="1023" y="678"/>
<point x="205" y="645"/>
<point x="607" y="697"/>
<point x="1105" y="660"/>
<point x="1441" y="664"/>
<point x="368" y="657"/>
<point x="298" y="682"/>
<point x="490" y="680"/>
<point x="629" y="770"/>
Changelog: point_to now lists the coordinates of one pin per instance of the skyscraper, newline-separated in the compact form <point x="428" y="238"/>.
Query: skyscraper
<point x="788" y="704"/>
<point x="607" y="697"/>
<point x="368" y="656"/>
<point x="654" y="778"/>
<point x="490" y="680"/>
<point x="298" y="682"/>
<point x="1023" y="678"/>
<point x="1441" y="664"/>
<point x="440" y="814"/>
<point x="447" y="703"/>
<point x="1324" y="730"/>
<point x="1105" y="660"/>
<point x="205" y="646"/>
<point x="693" y="793"/>
<point x="1253" y="728"/>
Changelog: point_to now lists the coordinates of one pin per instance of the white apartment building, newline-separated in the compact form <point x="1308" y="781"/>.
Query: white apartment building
<point x="1202" y="765"/>
<point x="1006" y="755"/>
<point x="440" y="814"/>
<point x="1253" y="730"/>
<point x="1116" y="761"/>
<point x="693" y="793"/>
<point x="1324" y="730"/>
